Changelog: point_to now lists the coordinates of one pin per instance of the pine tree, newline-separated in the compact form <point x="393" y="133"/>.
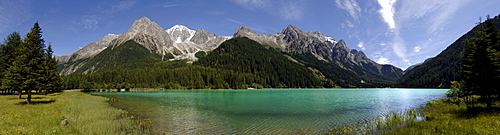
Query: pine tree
<point x="480" y="64"/>
<point x="51" y="79"/>
<point x="7" y="56"/>
<point x="26" y="72"/>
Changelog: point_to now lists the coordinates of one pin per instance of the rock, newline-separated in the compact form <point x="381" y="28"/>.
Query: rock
<point x="64" y="122"/>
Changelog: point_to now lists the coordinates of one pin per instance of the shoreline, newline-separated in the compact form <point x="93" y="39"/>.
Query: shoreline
<point x="436" y="117"/>
<point x="71" y="104"/>
<point x="371" y="120"/>
<point x="160" y="89"/>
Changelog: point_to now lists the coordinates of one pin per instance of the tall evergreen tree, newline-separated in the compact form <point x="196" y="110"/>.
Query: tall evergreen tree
<point x="480" y="64"/>
<point x="26" y="71"/>
<point x="7" y="56"/>
<point x="51" y="79"/>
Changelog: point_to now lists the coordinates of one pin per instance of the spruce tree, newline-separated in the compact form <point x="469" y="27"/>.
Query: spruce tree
<point x="26" y="71"/>
<point x="51" y="79"/>
<point x="480" y="64"/>
<point x="7" y="56"/>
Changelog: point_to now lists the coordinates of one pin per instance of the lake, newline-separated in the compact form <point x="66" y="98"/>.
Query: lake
<point x="266" y="111"/>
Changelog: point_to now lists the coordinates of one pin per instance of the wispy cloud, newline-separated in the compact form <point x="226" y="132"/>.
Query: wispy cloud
<point x="170" y="5"/>
<point x="290" y="10"/>
<point x="403" y="15"/>
<point x="399" y="47"/>
<point x="435" y="13"/>
<point x="123" y="6"/>
<point x="361" y="45"/>
<point x="387" y="12"/>
<point x="89" y="21"/>
<point x="235" y="21"/>
<point x="351" y="6"/>
<point x="254" y="4"/>
<point x="13" y="13"/>
<point x="349" y="24"/>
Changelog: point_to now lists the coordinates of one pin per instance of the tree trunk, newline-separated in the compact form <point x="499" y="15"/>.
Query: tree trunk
<point x="28" y="101"/>
<point x="488" y="103"/>
<point x="20" y="92"/>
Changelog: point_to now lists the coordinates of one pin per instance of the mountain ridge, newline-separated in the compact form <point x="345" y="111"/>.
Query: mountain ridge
<point x="181" y="43"/>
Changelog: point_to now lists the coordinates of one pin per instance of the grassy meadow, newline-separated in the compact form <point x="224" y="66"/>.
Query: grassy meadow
<point x="85" y="114"/>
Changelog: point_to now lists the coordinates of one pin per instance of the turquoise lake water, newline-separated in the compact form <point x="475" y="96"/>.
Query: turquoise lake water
<point x="266" y="111"/>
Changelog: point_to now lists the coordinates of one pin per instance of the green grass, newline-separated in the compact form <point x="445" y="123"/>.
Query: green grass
<point x="442" y="117"/>
<point x="85" y="114"/>
<point x="445" y="117"/>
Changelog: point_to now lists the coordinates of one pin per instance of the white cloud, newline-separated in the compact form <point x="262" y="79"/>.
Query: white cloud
<point x="170" y="5"/>
<point x="429" y="15"/>
<point x="361" y="45"/>
<point x="382" y="60"/>
<point x="416" y="49"/>
<point x="387" y="12"/>
<point x="382" y="44"/>
<point x="435" y="13"/>
<point x="351" y="6"/>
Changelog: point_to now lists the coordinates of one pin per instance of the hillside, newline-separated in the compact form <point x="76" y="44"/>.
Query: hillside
<point x="442" y="69"/>
<point x="247" y="56"/>
<point x="128" y="55"/>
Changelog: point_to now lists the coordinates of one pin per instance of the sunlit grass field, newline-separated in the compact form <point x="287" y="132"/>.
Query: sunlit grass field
<point x="85" y="114"/>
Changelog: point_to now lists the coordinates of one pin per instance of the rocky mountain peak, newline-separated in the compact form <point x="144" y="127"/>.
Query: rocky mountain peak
<point x="292" y="33"/>
<point x="244" y="31"/>
<point x="322" y="37"/>
<point x="202" y="36"/>
<point x="291" y="29"/>
<point x="147" y="33"/>
<point x="180" y="33"/>
<point x="143" y="24"/>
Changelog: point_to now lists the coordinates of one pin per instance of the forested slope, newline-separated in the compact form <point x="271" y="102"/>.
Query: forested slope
<point x="442" y="69"/>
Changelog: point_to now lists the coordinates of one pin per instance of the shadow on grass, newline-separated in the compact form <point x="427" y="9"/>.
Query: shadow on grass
<point x="476" y="112"/>
<point x="35" y="102"/>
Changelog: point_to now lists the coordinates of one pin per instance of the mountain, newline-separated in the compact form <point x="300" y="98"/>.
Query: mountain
<point x="128" y="55"/>
<point x="291" y="39"/>
<point x="330" y="62"/>
<point x="178" y="42"/>
<point x="442" y="69"/>
<point x="75" y="60"/>
<point x="275" y="70"/>
<point x="407" y="70"/>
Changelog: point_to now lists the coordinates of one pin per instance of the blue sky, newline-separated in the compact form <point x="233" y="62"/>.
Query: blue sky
<point x="397" y="32"/>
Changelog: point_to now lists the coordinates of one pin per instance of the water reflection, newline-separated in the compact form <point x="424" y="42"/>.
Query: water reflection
<point x="278" y="111"/>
